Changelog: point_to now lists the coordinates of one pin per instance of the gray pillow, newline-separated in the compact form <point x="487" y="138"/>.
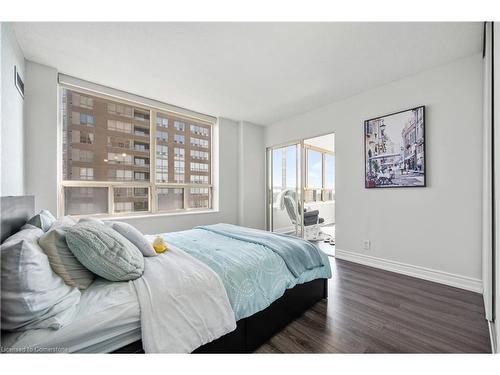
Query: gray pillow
<point x="134" y="236"/>
<point x="43" y="220"/>
<point x="61" y="259"/>
<point x="105" y="252"/>
<point x="90" y="220"/>
<point x="33" y="296"/>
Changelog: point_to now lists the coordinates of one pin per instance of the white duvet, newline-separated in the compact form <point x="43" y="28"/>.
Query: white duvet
<point x="183" y="304"/>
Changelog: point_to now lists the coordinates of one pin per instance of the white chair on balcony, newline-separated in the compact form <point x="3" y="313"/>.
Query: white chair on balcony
<point x="312" y="221"/>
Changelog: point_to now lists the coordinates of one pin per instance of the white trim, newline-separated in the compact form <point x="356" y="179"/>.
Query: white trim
<point x="149" y="215"/>
<point x="492" y="331"/>
<point x="457" y="281"/>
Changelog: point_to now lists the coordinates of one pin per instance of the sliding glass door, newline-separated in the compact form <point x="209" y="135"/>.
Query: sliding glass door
<point x="284" y="189"/>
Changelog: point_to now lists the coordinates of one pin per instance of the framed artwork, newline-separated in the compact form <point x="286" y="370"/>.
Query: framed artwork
<point x="395" y="150"/>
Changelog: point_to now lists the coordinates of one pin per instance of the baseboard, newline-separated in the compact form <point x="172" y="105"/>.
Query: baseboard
<point x="462" y="282"/>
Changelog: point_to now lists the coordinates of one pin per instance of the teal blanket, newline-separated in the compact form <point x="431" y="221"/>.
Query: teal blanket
<point x="299" y="255"/>
<point x="253" y="275"/>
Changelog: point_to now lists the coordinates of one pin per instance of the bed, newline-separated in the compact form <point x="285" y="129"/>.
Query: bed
<point x="108" y="316"/>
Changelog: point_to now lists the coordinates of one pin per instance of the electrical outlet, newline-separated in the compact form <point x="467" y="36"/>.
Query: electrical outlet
<point x="366" y="245"/>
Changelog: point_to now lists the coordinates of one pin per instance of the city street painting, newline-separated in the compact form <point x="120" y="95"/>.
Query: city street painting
<point x="395" y="150"/>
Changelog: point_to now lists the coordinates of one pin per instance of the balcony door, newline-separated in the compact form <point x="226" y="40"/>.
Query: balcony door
<point x="285" y="189"/>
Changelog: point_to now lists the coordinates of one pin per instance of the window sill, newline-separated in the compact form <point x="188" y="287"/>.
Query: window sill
<point x="148" y="215"/>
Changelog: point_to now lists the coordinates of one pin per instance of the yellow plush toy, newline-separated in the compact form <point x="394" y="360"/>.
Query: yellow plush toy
<point x="159" y="245"/>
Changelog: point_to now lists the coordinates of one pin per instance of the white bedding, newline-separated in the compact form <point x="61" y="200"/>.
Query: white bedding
<point x="107" y="319"/>
<point x="183" y="304"/>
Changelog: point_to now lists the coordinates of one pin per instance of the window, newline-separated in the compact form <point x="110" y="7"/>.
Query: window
<point x="202" y="155"/>
<point x="78" y="118"/>
<point x="85" y="200"/>
<point x="81" y="137"/>
<point x="140" y="114"/>
<point x="120" y="126"/>
<point x="179" y="139"/>
<point x="118" y="158"/>
<point x="199" y="198"/>
<point x="161" y="136"/>
<point x="199" y="167"/>
<point x="179" y="126"/>
<point x="82" y="155"/>
<point x="131" y="199"/>
<point x="320" y="175"/>
<point x="314" y="169"/>
<point x="196" y="142"/>
<point x="199" y="130"/>
<point x="141" y="131"/>
<point x="161" y="151"/>
<point x="170" y="199"/>
<point x="178" y="153"/>
<point x="161" y="170"/>
<point x="119" y="109"/>
<point x="196" y="179"/>
<point x="140" y="176"/>
<point x="82" y="173"/>
<point x="111" y="167"/>
<point x="141" y="146"/>
<point x="329" y="185"/>
<point x="141" y="161"/>
<point x="179" y="171"/>
<point x="82" y="101"/>
<point x="120" y="174"/>
<point x="161" y="121"/>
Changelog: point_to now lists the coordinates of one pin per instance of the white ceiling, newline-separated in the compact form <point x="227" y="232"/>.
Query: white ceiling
<point x="258" y="72"/>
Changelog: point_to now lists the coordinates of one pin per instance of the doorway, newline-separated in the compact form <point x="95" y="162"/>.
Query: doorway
<point x="301" y="190"/>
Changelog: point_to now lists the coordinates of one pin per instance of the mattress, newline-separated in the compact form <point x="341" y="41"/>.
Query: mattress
<point x="107" y="319"/>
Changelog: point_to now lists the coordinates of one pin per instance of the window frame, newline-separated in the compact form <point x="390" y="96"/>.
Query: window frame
<point x="151" y="184"/>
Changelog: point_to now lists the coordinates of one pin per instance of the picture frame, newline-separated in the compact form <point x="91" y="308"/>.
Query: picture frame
<point x="394" y="147"/>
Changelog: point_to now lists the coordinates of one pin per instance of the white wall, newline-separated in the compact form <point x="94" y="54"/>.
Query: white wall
<point x="42" y="153"/>
<point x="326" y="142"/>
<point x="487" y="197"/>
<point x="12" y="133"/>
<point x="252" y="167"/>
<point x="41" y="142"/>
<point x="437" y="227"/>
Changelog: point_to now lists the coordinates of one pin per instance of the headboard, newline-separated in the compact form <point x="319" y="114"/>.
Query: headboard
<point x="15" y="212"/>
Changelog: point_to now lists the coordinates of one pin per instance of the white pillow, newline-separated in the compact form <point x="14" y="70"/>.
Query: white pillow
<point x="42" y="220"/>
<point x="33" y="296"/>
<point x="136" y="237"/>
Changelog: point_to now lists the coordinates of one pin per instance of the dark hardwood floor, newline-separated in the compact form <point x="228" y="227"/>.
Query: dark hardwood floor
<point x="375" y="311"/>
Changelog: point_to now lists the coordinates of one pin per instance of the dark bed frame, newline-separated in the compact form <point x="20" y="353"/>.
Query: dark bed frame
<point x="250" y="332"/>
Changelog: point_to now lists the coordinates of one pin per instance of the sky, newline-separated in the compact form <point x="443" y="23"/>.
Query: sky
<point x="314" y="168"/>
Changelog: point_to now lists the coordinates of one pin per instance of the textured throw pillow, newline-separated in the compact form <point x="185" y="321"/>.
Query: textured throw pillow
<point x="134" y="236"/>
<point x="61" y="259"/>
<point x="90" y="220"/>
<point x="32" y="295"/>
<point x="105" y="252"/>
<point x="43" y="220"/>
